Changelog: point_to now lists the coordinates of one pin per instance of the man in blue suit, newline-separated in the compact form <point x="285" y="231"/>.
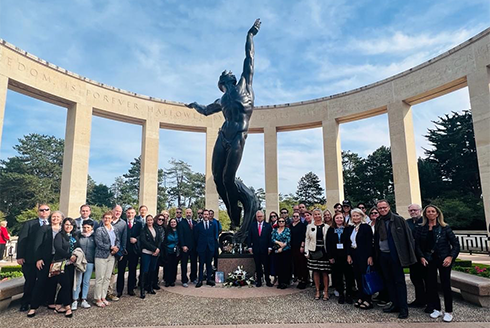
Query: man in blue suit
<point x="259" y="244"/>
<point x="205" y="234"/>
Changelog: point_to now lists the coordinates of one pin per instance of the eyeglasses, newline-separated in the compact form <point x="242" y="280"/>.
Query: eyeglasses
<point x="199" y="213"/>
<point x="178" y="212"/>
<point x="362" y="208"/>
<point x="295" y="216"/>
<point x="160" y="219"/>
<point x="374" y="213"/>
<point x="284" y="212"/>
<point x="43" y="209"/>
<point x="281" y="221"/>
<point x="413" y="210"/>
<point x="273" y="216"/>
<point x="382" y="208"/>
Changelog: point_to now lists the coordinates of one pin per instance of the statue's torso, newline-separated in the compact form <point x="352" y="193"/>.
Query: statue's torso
<point x="237" y="107"/>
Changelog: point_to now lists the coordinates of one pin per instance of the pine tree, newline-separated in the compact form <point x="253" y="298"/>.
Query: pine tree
<point x="309" y="190"/>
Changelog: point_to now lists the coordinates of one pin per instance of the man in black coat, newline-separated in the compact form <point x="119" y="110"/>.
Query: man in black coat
<point x="187" y="243"/>
<point x="26" y="251"/>
<point x="131" y="259"/>
<point x="259" y="244"/>
<point x="205" y="236"/>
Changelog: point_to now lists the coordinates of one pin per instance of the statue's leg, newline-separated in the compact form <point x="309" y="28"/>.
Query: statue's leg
<point x="233" y="160"/>
<point x="217" y="166"/>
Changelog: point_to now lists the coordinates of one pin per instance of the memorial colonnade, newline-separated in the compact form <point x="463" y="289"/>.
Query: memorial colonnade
<point x="467" y="65"/>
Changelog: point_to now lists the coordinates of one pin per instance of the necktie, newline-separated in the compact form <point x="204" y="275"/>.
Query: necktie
<point x="130" y="224"/>
<point x="206" y="225"/>
<point x="43" y="222"/>
<point x="260" y="228"/>
<point x="190" y="224"/>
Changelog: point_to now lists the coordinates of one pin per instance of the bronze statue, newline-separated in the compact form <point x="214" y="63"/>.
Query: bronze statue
<point x="236" y="104"/>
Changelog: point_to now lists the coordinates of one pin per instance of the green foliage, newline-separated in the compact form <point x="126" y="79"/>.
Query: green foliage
<point x="29" y="214"/>
<point x="98" y="211"/>
<point x="100" y="195"/>
<point x="309" y="190"/>
<point x="477" y="270"/>
<point x="454" y="153"/>
<point x="369" y="179"/>
<point x="11" y="268"/>
<point x="461" y="212"/>
<point x="10" y="275"/>
<point x="288" y="201"/>
<point x="224" y="219"/>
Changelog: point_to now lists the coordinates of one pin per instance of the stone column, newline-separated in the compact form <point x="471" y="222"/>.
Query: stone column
<point x="149" y="165"/>
<point x="403" y="156"/>
<point x="332" y="156"/>
<point x="212" y="197"/>
<point x="75" y="159"/>
<point x="4" y="81"/>
<point x="479" y="89"/>
<point x="271" y="180"/>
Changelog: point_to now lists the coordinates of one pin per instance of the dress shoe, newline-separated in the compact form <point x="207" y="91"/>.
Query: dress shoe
<point x="258" y="284"/>
<point x="24" y="308"/>
<point x="199" y="284"/>
<point x="210" y="283"/>
<point x="349" y="299"/>
<point x="156" y="287"/>
<point x="403" y="314"/>
<point x="416" y="304"/>
<point x="167" y="284"/>
<point x="131" y="293"/>
<point x="269" y="284"/>
<point x="391" y="309"/>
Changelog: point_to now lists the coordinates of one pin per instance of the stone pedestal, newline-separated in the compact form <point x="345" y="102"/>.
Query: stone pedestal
<point x="229" y="263"/>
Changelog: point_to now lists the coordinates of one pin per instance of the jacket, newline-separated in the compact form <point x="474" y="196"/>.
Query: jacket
<point x="402" y="237"/>
<point x="447" y="243"/>
<point x="134" y="232"/>
<point x="43" y="244"/>
<point x="62" y="247"/>
<point x="81" y="262"/>
<point x="205" y="239"/>
<point x="332" y="240"/>
<point x="88" y="246"/>
<point x="27" y="238"/>
<point x="103" y="242"/>
<point x="186" y="236"/>
<point x="259" y="244"/>
<point x="364" y="241"/>
<point x="310" y="238"/>
<point x="148" y="242"/>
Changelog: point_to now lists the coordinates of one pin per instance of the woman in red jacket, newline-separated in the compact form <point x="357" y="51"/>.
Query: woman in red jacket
<point x="4" y="237"/>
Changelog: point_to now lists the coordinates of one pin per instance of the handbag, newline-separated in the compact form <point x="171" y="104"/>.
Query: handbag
<point x="57" y="268"/>
<point x="371" y="282"/>
<point x="316" y="255"/>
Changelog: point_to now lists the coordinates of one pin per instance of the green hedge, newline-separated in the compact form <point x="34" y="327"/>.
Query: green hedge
<point x="11" y="268"/>
<point x="12" y="274"/>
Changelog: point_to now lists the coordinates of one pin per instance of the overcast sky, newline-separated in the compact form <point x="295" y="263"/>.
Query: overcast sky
<point x="176" y="50"/>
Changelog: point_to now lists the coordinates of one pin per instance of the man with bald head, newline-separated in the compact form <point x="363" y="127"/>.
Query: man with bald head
<point x="259" y="244"/>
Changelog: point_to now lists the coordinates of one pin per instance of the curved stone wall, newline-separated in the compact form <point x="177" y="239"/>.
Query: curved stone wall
<point x="465" y="65"/>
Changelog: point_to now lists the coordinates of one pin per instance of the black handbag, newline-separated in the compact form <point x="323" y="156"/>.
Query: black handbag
<point x="316" y="255"/>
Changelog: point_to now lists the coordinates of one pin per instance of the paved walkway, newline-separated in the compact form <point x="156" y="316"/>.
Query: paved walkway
<point x="251" y="307"/>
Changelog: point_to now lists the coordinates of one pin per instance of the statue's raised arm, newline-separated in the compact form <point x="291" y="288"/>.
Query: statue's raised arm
<point x="206" y="110"/>
<point x="248" y="63"/>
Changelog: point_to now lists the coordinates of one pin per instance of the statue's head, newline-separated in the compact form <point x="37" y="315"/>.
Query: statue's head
<point x="226" y="77"/>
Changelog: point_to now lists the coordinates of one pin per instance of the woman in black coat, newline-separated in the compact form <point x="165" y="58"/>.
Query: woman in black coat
<point x="64" y="245"/>
<point x="359" y="248"/>
<point x="150" y="243"/>
<point x="437" y="247"/>
<point x="336" y="253"/>
<point x="159" y="224"/>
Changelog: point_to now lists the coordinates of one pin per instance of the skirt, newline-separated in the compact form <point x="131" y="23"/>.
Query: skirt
<point x="322" y="265"/>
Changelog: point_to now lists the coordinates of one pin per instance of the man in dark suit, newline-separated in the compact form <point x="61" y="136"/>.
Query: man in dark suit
<point x="205" y="235"/>
<point x="132" y="256"/>
<point x="26" y="251"/>
<point x="259" y="244"/>
<point x="187" y="243"/>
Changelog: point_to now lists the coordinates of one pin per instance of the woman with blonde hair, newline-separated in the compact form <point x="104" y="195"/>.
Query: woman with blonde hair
<point x="327" y="218"/>
<point x="316" y="253"/>
<point x="437" y="248"/>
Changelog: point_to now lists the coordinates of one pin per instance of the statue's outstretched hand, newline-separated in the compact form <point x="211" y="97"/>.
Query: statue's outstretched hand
<point x="256" y="27"/>
<point x="191" y="105"/>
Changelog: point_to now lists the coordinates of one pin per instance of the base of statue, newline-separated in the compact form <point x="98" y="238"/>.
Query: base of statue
<point x="229" y="263"/>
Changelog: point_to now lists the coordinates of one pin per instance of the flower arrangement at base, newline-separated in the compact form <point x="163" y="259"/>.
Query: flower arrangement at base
<point x="238" y="278"/>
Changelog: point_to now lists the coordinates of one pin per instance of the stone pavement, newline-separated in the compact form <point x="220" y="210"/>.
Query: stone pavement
<point x="249" y="307"/>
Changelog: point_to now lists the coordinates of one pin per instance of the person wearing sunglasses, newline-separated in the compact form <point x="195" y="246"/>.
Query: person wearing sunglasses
<point x="26" y="252"/>
<point x="281" y="243"/>
<point x="160" y="226"/>
<point x="298" y="232"/>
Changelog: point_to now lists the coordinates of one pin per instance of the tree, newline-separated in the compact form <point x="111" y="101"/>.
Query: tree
<point x="354" y="176"/>
<point x="100" y="195"/>
<point x="379" y="176"/>
<point x="178" y="176"/>
<point x="309" y="190"/>
<point x="34" y="175"/>
<point x="454" y="153"/>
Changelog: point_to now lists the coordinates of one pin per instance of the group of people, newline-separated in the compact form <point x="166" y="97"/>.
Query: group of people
<point x="352" y="242"/>
<point x="310" y="246"/>
<point x="57" y="250"/>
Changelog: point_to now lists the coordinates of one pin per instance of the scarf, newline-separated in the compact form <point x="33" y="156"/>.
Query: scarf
<point x="383" y="233"/>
